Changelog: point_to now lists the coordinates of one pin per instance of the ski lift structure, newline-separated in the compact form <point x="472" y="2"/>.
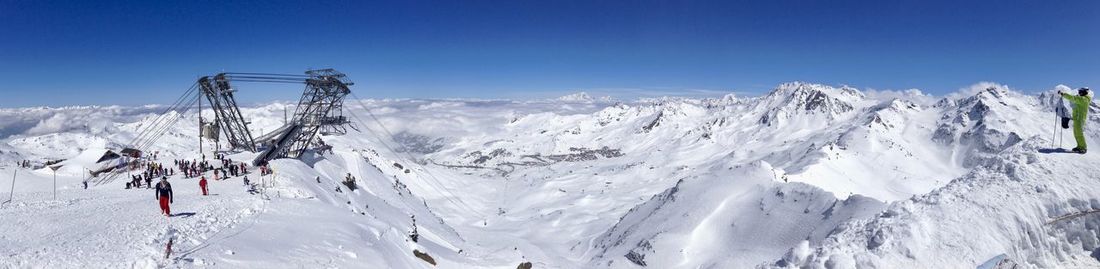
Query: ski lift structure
<point x="319" y="111"/>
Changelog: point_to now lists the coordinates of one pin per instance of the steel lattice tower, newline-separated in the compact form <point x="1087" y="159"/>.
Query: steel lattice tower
<point x="320" y="110"/>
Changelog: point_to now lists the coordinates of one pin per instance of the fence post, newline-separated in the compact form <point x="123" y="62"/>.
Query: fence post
<point x="12" y="192"/>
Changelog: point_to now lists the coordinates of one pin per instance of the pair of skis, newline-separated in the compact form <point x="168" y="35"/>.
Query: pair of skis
<point x="1060" y="115"/>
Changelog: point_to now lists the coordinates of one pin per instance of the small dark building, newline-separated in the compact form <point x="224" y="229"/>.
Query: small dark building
<point x="109" y="155"/>
<point x="132" y="153"/>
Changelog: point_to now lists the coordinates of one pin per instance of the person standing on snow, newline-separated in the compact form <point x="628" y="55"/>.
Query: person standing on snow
<point x="164" y="194"/>
<point x="202" y="185"/>
<point x="1080" y="104"/>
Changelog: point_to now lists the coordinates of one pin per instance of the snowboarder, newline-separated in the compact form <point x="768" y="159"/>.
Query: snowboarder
<point x="246" y="180"/>
<point x="202" y="185"/>
<point x="1080" y="104"/>
<point x="164" y="194"/>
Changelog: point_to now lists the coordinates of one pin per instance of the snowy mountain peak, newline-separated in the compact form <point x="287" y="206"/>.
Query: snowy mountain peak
<point x="993" y="92"/>
<point x="988" y="121"/>
<point x="729" y="99"/>
<point x="795" y="98"/>
<point x="897" y="105"/>
<point x="796" y="88"/>
<point x="981" y="92"/>
<point x="583" y="97"/>
<point x="990" y="96"/>
<point x="577" y="97"/>
<point x="726" y="100"/>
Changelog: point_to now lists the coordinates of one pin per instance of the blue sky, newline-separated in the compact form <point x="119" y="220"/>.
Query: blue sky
<point x="118" y="52"/>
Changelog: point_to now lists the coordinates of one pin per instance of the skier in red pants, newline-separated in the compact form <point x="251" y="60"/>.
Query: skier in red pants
<point x="202" y="185"/>
<point x="164" y="194"/>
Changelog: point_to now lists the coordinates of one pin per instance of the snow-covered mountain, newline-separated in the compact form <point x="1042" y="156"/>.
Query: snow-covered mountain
<point x="583" y="97"/>
<point x="807" y="175"/>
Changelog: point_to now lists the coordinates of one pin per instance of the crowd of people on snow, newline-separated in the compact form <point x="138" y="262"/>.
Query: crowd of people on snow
<point x="193" y="168"/>
<point x="222" y="168"/>
<point x="150" y="170"/>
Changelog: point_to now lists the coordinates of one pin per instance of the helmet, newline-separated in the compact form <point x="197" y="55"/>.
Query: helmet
<point x="1083" y="91"/>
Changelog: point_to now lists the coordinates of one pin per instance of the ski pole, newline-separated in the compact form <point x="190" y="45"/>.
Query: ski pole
<point x="1052" y="134"/>
<point x="1062" y="131"/>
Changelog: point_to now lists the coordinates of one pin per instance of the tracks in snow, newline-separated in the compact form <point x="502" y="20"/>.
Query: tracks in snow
<point x="126" y="229"/>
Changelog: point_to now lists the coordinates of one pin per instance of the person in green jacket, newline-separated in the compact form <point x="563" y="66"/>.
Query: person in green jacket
<point x="1080" y="104"/>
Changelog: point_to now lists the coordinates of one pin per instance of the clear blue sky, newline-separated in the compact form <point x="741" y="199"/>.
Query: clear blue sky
<point x="107" y="52"/>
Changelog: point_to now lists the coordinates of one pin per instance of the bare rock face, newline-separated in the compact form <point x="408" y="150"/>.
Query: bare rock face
<point x="524" y="265"/>
<point x="424" y="256"/>
<point x="637" y="255"/>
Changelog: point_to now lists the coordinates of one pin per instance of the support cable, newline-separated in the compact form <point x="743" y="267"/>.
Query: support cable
<point x="433" y="181"/>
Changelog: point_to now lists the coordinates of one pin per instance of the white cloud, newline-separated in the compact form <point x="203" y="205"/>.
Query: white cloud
<point x="91" y="119"/>
<point x="912" y="95"/>
<point x="975" y="88"/>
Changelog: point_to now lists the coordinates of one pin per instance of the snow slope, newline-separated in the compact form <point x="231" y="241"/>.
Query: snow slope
<point x="700" y="218"/>
<point x="807" y="175"/>
<point x="111" y="228"/>
<point x="1007" y="205"/>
